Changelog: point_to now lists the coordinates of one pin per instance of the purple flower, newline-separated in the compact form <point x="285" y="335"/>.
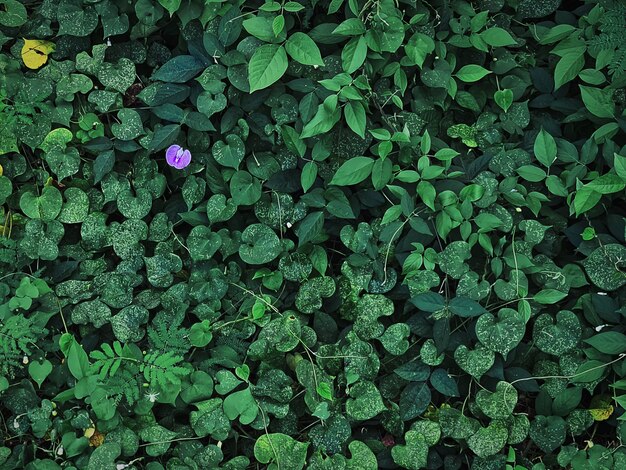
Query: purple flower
<point x="177" y="157"/>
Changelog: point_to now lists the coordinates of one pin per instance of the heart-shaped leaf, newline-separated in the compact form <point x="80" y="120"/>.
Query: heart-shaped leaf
<point x="503" y="333"/>
<point x="475" y="362"/>
<point x="557" y="335"/>
<point x="499" y="404"/>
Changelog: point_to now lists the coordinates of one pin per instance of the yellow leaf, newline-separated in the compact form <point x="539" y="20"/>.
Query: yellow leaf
<point x="35" y="52"/>
<point x="601" y="408"/>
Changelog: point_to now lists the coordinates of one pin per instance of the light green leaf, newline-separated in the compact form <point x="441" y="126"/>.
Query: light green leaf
<point x="599" y="101"/>
<point x="302" y="49"/>
<point x="353" y="54"/>
<point x="568" y="68"/>
<point x="268" y="63"/>
<point x="497" y="37"/>
<point x="353" y="171"/>
<point x="472" y="73"/>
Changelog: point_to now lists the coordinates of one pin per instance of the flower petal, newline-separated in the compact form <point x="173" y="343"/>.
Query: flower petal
<point x="185" y="160"/>
<point x="170" y="154"/>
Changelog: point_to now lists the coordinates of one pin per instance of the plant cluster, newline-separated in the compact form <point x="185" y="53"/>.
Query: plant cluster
<point x="334" y="234"/>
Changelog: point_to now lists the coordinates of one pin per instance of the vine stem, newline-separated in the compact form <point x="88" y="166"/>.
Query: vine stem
<point x="524" y="379"/>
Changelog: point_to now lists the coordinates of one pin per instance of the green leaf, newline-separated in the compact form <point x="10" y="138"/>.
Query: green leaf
<point x="365" y="402"/>
<point x="281" y="450"/>
<point x="504" y="98"/>
<point x="353" y="54"/>
<point x="245" y="188"/>
<point x="418" y="48"/>
<point x="501" y="334"/>
<point x="599" y="101"/>
<point x="472" y="73"/>
<point x="353" y="171"/>
<point x="260" y="244"/>
<point x="497" y="37"/>
<point x="414" y="454"/>
<point x="607" y="184"/>
<point x="303" y="49"/>
<point x="310" y="228"/>
<point x="241" y="405"/>
<point x="549" y="296"/>
<point x="585" y="200"/>
<point x="308" y="175"/>
<point x="568" y="68"/>
<point x="354" y="113"/>
<point x="531" y="173"/>
<point x="12" y="13"/>
<point x="589" y="371"/>
<point x="172" y="6"/>
<point x="545" y="148"/>
<point x="267" y="65"/>
<point x="605" y="266"/>
<point x="179" y="69"/>
<point x="609" y="342"/>
<point x="444" y="383"/>
<point x="44" y="207"/>
<point x="557" y="334"/>
<point x="39" y="371"/>
<point x="465" y="308"/>
<point x="620" y="166"/>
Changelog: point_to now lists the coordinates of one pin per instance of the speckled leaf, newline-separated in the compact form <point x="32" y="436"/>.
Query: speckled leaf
<point x="203" y="243"/>
<point x="220" y="209"/>
<point x="490" y="440"/>
<point x="414" y="454"/>
<point x="229" y="153"/>
<point x="118" y="77"/>
<point x="548" y="432"/>
<point x="93" y="311"/>
<point x="365" y="401"/>
<point x="282" y="452"/>
<point x="605" y="266"/>
<point x="76" y="19"/>
<point x="260" y="244"/>
<point x="127" y="323"/>
<point x="41" y="239"/>
<point x="370" y="307"/>
<point x="395" y="338"/>
<point x="557" y="335"/>
<point x="475" y="362"/>
<point x="130" y="125"/>
<point x="503" y="333"/>
<point x="332" y="434"/>
<point x="160" y="268"/>
<point x="499" y="404"/>
<point x="75" y="208"/>
<point x="63" y="163"/>
<point x="210" y="420"/>
<point x="311" y="293"/>
<point x="134" y="206"/>
<point x="160" y="436"/>
<point x="451" y="259"/>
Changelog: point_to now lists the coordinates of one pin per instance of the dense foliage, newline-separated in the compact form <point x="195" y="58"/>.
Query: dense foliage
<point x="387" y="234"/>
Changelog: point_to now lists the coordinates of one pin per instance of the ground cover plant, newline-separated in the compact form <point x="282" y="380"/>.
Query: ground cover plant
<point x="346" y="234"/>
